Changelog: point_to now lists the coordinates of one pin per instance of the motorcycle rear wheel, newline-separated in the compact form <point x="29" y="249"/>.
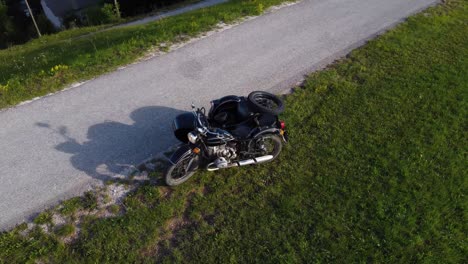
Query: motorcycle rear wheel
<point x="271" y="145"/>
<point x="181" y="171"/>
<point x="264" y="102"/>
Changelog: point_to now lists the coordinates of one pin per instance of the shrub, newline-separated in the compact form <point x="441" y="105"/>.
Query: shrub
<point x="45" y="25"/>
<point x="43" y="218"/>
<point x="98" y="15"/>
<point x="111" y="13"/>
<point x="69" y="207"/>
<point x="6" y="25"/>
<point x="65" y="230"/>
<point x="93" y="16"/>
<point x="90" y="201"/>
<point x="260" y="8"/>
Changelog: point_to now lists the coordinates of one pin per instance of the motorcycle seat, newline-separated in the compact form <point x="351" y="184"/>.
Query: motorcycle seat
<point x="232" y="114"/>
<point x="267" y="120"/>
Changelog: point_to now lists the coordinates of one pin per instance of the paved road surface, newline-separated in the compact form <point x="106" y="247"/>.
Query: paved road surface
<point x="57" y="146"/>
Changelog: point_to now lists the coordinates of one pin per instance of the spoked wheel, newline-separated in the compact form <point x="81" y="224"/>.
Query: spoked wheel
<point x="267" y="145"/>
<point x="182" y="170"/>
<point x="265" y="102"/>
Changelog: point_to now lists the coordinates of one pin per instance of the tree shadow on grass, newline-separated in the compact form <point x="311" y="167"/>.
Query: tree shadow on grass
<point x="113" y="147"/>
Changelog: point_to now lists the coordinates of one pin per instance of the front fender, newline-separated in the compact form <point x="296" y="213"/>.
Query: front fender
<point x="180" y="153"/>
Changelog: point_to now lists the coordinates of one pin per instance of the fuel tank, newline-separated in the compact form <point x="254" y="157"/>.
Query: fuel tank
<point x="218" y="137"/>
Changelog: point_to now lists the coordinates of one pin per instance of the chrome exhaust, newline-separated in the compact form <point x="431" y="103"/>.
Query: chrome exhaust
<point x="221" y="163"/>
<point x="264" y="158"/>
<point x="245" y="162"/>
<point x="251" y="161"/>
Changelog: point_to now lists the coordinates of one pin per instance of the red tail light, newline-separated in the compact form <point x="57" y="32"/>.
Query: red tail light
<point x="282" y="124"/>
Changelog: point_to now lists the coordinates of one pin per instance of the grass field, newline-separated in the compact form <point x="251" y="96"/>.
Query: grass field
<point x="375" y="172"/>
<point x="51" y="63"/>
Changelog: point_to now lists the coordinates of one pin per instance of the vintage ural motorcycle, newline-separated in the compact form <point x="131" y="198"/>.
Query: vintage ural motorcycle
<point x="238" y="131"/>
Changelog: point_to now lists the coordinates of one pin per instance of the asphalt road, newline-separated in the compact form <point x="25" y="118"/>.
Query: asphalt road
<point x="55" y="147"/>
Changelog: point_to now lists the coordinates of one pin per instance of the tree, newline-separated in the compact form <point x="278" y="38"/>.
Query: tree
<point x="16" y="25"/>
<point x="6" y="25"/>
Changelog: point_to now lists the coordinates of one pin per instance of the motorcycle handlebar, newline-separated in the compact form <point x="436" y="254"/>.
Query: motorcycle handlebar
<point x="201" y="128"/>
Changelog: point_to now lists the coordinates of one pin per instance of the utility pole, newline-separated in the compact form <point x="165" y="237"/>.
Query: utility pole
<point x="34" y="20"/>
<point x="117" y="8"/>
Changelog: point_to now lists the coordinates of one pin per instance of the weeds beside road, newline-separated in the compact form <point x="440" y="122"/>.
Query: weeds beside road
<point x="375" y="172"/>
<point x="51" y="63"/>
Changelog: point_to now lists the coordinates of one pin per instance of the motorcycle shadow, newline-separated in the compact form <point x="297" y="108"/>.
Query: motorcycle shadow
<point x="112" y="149"/>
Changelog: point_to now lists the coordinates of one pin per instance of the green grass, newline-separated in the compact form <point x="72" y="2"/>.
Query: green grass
<point x="375" y="172"/>
<point x="114" y="209"/>
<point x="71" y="206"/>
<point x="51" y="63"/>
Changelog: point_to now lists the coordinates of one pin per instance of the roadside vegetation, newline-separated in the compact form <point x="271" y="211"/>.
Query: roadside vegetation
<point x="375" y="172"/>
<point x="16" y="25"/>
<point x="52" y="62"/>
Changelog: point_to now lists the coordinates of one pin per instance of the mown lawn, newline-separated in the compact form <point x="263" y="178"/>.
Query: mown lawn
<point x="375" y="172"/>
<point x="51" y="63"/>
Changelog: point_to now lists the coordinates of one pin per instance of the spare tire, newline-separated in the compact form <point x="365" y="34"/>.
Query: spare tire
<point x="264" y="102"/>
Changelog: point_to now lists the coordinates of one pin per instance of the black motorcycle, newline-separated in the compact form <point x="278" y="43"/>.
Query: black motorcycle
<point x="238" y="131"/>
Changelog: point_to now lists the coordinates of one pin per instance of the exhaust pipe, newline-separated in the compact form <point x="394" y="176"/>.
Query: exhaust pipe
<point x="264" y="158"/>
<point x="251" y="161"/>
<point x="221" y="164"/>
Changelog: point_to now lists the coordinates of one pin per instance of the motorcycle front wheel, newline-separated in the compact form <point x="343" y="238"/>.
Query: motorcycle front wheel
<point x="182" y="170"/>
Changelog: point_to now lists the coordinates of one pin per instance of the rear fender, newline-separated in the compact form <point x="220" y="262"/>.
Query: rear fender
<point x="272" y="131"/>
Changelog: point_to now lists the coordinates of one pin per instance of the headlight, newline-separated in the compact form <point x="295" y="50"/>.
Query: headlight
<point x="192" y="137"/>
